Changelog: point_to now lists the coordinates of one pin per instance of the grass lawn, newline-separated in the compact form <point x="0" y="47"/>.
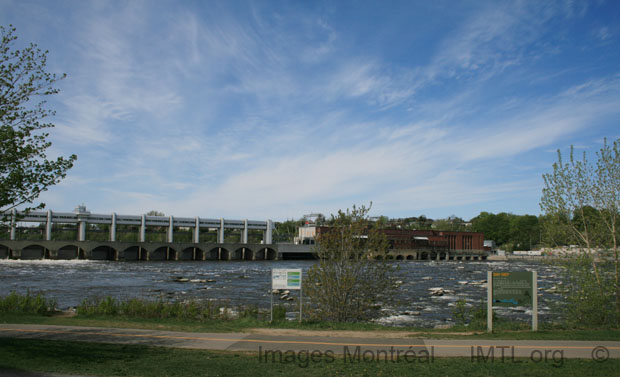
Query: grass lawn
<point x="124" y="360"/>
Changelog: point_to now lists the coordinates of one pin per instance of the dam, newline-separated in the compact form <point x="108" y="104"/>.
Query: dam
<point x="168" y="238"/>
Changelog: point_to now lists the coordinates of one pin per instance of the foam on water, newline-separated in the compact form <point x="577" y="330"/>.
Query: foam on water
<point x="242" y="283"/>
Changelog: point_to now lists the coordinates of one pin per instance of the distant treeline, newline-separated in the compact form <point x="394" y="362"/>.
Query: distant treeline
<point x="509" y="231"/>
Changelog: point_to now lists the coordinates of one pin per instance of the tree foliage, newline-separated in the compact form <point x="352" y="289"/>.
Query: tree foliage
<point x="25" y="170"/>
<point x="582" y="200"/>
<point x="154" y="213"/>
<point x="509" y="231"/>
<point x="451" y="224"/>
<point x="348" y="280"/>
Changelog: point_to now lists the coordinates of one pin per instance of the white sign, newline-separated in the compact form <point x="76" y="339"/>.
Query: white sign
<point x="286" y="278"/>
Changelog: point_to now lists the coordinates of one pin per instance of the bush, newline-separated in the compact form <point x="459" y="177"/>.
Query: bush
<point x="589" y="302"/>
<point x="474" y="318"/>
<point x="279" y="313"/>
<point x="460" y="313"/>
<point x="28" y="304"/>
<point x="349" y="281"/>
<point x="148" y="309"/>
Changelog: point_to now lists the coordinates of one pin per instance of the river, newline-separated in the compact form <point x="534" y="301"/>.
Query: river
<point x="248" y="282"/>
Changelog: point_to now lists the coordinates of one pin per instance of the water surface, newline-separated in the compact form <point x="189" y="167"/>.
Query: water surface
<point x="248" y="282"/>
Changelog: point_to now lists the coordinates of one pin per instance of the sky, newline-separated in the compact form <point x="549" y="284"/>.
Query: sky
<point x="276" y="109"/>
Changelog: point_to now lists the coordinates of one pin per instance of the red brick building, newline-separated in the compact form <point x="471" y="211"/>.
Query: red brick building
<point x="434" y="240"/>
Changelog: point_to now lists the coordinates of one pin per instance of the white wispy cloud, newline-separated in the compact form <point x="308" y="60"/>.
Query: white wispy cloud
<point x="231" y="111"/>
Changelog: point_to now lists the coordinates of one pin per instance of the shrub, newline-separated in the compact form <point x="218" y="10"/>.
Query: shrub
<point x="279" y="313"/>
<point x="27" y="304"/>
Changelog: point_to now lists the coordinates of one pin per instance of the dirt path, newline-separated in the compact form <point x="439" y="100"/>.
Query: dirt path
<point x="351" y="334"/>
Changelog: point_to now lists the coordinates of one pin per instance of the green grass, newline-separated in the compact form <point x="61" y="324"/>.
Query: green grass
<point x="132" y="360"/>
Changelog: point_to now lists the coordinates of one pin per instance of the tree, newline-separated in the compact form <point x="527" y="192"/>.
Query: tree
<point x="554" y="230"/>
<point x="286" y="231"/>
<point x="25" y="170"/>
<point x="607" y="196"/>
<point x="451" y="224"/>
<point x="154" y="213"/>
<point x="568" y="193"/>
<point x="348" y="280"/>
<point x="583" y="200"/>
<point x="495" y="227"/>
<point x="524" y="232"/>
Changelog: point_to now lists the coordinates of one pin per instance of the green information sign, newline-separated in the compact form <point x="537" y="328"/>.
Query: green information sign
<point x="512" y="288"/>
<point x="507" y="288"/>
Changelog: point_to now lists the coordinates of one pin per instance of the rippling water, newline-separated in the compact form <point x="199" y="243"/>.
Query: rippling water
<point x="249" y="283"/>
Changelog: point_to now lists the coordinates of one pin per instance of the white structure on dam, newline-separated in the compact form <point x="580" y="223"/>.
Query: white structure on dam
<point x="82" y="218"/>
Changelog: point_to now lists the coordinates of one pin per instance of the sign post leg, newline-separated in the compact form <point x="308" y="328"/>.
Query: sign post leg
<point x="271" y="295"/>
<point x="489" y="301"/>
<point x="301" y="297"/>
<point x="534" y="301"/>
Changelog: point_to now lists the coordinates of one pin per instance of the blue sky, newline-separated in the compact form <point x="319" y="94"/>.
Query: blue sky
<point x="273" y="109"/>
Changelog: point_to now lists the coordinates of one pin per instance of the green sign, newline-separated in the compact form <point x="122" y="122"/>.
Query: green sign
<point x="293" y="279"/>
<point x="512" y="288"/>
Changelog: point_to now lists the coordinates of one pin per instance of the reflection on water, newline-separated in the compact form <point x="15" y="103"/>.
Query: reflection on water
<point x="249" y="283"/>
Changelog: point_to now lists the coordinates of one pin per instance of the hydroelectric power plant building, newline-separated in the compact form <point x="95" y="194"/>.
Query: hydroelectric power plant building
<point x="408" y="244"/>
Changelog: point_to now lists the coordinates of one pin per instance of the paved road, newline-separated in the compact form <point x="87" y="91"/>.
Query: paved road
<point x="266" y="344"/>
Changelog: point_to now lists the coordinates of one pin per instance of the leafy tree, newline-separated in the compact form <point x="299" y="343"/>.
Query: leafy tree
<point x="607" y="195"/>
<point x="568" y="193"/>
<point x="554" y="230"/>
<point x="584" y="199"/>
<point x="25" y="170"/>
<point x="509" y="231"/>
<point x="348" y="281"/>
<point x="154" y="213"/>
<point x="524" y="232"/>
<point x="424" y="222"/>
<point x="451" y="224"/>
<point x="495" y="227"/>
<point x="286" y="231"/>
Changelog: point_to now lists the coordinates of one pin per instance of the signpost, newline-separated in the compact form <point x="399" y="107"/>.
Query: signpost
<point x="517" y="288"/>
<point x="286" y="278"/>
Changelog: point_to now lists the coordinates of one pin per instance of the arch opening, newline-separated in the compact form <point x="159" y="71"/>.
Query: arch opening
<point x="134" y="253"/>
<point x="243" y="253"/>
<point x="212" y="254"/>
<point x="4" y="252"/>
<point x="220" y="253"/>
<point x="68" y="252"/>
<point x="190" y="253"/>
<point x="103" y="253"/>
<point x="32" y="252"/>
<point x="163" y="253"/>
